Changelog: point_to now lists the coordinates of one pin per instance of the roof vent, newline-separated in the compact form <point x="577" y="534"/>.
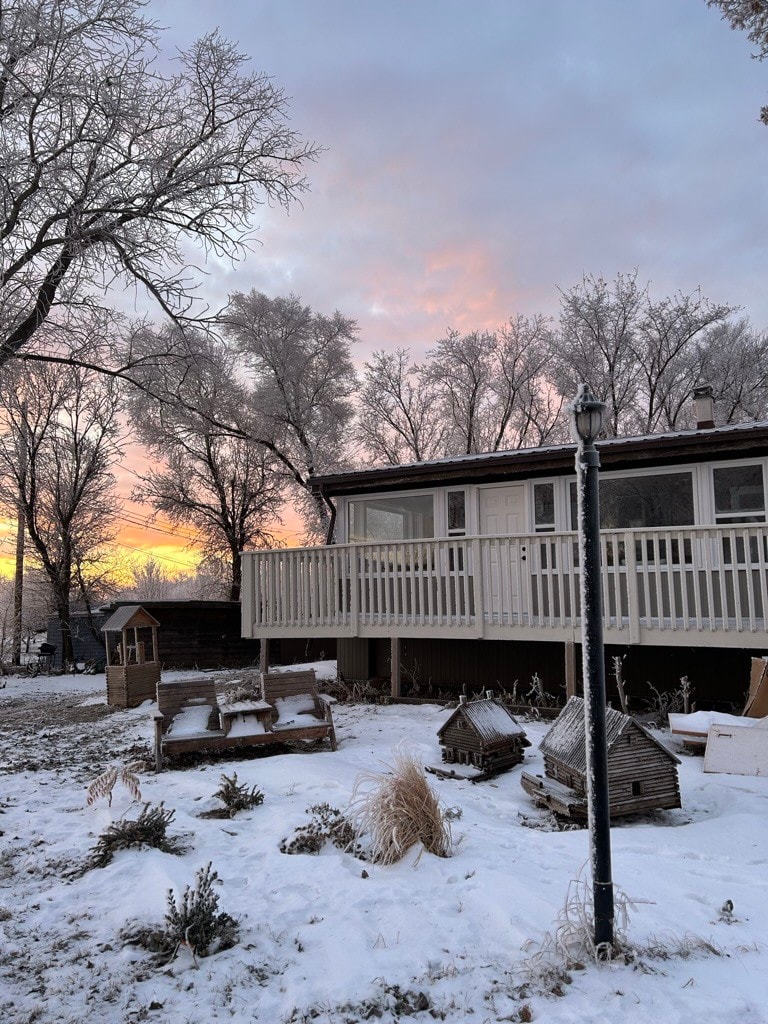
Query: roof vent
<point x="704" y="406"/>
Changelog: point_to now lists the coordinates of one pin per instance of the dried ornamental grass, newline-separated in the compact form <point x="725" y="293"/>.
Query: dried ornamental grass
<point x="104" y="785"/>
<point x="396" y="810"/>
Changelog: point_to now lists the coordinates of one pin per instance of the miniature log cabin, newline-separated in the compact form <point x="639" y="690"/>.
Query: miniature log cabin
<point x="484" y="734"/>
<point x="133" y="663"/>
<point x="642" y="773"/>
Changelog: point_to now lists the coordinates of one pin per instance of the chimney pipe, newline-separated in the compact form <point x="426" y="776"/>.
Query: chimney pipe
<point x="704" y="406"/>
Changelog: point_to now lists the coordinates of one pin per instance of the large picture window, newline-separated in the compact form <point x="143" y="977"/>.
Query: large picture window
<point x="642" y="502"/>
<point x="409" y="517"/>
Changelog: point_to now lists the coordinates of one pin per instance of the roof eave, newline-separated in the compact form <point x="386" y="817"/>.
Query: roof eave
<point x="616" y="453"/>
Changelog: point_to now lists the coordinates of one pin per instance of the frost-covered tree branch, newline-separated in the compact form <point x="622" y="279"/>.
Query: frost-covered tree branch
<point x="222" y="485"/>
<point x="109" y="168"/>
<point x="59" y="442"/>
<point x="301" y="387"/>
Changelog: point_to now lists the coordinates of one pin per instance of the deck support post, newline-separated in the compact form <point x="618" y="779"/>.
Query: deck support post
<point x="394" y="668"/>
<point x="570" y="669"/>
<point x="264" y="654"/>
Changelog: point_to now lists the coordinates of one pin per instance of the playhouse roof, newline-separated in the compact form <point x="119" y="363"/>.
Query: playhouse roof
<point x="566" y="741"/>
<point x="130" y="616"/>
<point x="490" y="719"/>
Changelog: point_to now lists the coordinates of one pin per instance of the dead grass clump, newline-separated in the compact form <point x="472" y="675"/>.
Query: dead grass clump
<point x="398" y="809"/>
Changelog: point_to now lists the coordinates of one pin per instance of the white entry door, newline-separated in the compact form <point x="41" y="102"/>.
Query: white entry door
<point x="502" y="514"/>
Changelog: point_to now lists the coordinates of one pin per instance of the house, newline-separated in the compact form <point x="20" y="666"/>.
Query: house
<point x="484" y="734"/>
<point x="642" y="773"/>
<point x="465" y="570"/>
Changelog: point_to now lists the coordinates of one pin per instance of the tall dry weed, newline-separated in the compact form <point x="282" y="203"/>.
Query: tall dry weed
<point x="395" y="810"/>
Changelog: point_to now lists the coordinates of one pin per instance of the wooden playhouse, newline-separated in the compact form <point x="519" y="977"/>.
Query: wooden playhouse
<point x="642" y="773"/>
<point x="483" y="734"/>
<point x="133" y="663"/>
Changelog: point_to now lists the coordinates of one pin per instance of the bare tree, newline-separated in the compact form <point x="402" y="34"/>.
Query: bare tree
<point x="150" y="581"/>
<point x="488" y="387"/>
<point x="65" y="420"/>
<point x="638" y="355"/>
<point x="222" y="485"/>
<point x="733" y="358"/>
<point x="301" y="388"/>
<point x="750" y="16"/>
<point x="595" y="344"/>
<point x="109" y="168"/>
<point x="399" y="419"/>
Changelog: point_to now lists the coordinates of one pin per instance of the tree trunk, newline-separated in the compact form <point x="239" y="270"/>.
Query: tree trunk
<point x="237" y="576"/>
<point x="61" y="601"/>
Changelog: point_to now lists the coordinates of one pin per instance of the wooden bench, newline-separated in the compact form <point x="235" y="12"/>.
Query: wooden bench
<point x="299" y="711"/>
<point x="190" y="717"/>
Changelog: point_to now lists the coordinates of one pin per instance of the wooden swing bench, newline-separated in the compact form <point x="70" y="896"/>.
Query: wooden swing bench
<point x="190" y="717"/>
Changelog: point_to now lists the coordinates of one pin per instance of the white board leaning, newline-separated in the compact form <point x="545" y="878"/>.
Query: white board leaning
<point x="737" y="749"/>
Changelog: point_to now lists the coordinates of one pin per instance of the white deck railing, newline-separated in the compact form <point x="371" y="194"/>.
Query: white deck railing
<point x="703" y="579"/>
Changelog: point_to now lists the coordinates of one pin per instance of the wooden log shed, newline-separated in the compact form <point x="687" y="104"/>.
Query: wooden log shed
<point x="642" y="773"/>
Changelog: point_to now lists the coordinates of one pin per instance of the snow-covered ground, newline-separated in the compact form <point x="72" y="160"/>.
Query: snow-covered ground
<point x="329" y="938"/>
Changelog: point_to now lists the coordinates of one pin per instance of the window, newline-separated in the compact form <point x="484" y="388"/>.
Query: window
<point x="637" y="789"/>
<point x="640" y="502"/>
<point x="409" y="517"/>
<point x="739" y="494"/>
<point x="457" y="513"/>
<point x="544" y="508"/>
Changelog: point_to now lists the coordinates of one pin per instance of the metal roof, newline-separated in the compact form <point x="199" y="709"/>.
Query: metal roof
<point x="130" y="616"/>
<point x="647" y="449"/>
<point x="566" y="741"/>
<point x="490" y="719"/>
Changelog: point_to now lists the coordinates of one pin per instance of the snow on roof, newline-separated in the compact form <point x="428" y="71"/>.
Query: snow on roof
<point x="546" y="451"/>
<point x="566" y="741"/>
<point x="490" y="718"/>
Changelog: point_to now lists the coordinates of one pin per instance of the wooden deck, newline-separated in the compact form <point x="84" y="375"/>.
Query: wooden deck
<point x="709" y="584"/>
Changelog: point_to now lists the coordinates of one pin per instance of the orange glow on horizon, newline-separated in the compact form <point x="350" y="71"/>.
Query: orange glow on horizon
<point x="177" y="550"/>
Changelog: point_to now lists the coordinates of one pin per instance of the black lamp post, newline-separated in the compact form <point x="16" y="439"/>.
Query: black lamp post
<point x="587" y="414"/>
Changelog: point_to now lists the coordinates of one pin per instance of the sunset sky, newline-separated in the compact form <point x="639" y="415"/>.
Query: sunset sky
<point x="479" y="156"/>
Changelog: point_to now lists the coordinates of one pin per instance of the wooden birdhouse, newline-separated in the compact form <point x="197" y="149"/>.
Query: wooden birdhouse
<point x="642" y="773"/>
<point x="483" y="734"/>
<point x="133" y="663"/>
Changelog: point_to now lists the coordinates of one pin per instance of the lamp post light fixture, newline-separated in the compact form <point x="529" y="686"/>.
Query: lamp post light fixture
<point x="587" y="415"/>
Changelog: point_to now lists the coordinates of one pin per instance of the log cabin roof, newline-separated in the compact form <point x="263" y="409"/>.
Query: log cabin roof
<point x="566" y="741"/>
<point x="129" y="616"/>
<point x="490" y="720"/>
<point x="684" y="446"/>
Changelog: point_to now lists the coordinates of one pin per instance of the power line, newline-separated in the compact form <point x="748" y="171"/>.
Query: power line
<point x="150" y="551"/>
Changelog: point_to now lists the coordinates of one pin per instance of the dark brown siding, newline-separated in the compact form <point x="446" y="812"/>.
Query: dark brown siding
<point x="720" y="678"/>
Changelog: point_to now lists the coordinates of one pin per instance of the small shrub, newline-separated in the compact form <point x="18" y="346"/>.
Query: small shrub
<point x="104" y="784"/>
<point x="398" y="810"/>
<point x="327" y="825"/>
<point x="196" y="921"/>
<point x="149" y="829"/>
<point x="235" y="796"/>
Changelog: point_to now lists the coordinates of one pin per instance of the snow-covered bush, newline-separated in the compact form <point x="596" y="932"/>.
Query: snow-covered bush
<point x="235" y="796"/>
<point x="196" y="920"/>
<point x="149" y="829"/>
